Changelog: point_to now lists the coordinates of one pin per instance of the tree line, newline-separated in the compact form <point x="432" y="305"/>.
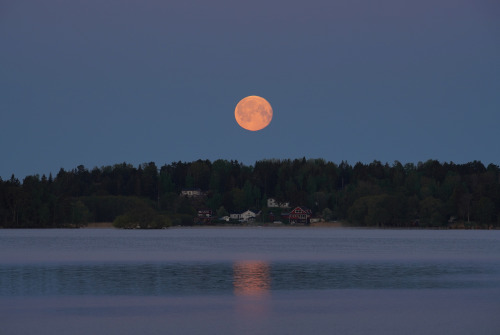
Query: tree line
<point x="427" y="194"/>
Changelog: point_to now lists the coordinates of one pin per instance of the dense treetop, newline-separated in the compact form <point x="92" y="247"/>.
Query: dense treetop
<point x="429" y="193"/>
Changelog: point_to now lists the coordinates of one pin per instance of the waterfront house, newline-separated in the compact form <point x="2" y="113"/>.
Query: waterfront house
<point x="300" y="215"/>
<point x="246" y="216"/>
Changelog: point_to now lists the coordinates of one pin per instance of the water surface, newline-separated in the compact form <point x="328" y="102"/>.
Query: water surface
<point x="249" y="280"/>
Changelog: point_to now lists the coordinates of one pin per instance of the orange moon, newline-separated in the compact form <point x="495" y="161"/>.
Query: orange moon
<point x="253" y="113"/>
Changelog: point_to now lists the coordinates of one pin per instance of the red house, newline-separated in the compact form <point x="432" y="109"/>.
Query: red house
<point x="300" y="215"/>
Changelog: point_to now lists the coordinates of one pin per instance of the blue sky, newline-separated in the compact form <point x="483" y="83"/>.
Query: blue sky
<point x="100" y="82"/>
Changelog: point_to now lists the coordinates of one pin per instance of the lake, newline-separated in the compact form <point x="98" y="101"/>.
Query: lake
<point x="249" y="281"/>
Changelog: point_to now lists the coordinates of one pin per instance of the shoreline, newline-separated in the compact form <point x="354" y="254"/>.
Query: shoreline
<point x="109" y="225"/>
<point x="331" y="224"/>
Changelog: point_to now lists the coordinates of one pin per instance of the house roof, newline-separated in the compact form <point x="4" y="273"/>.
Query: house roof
<point x="302" y="208"/>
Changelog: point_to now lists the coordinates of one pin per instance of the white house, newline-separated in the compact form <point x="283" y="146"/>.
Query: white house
<point x="272" y="203"/>
<point x="246" y="216"/>
<point x="191" y="192"/>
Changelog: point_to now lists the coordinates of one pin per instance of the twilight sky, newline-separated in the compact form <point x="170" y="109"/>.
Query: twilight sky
<point x="99" y="82"/>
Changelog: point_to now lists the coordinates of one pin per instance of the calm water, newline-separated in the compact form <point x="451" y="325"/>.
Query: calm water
<point x="249" y="281"/>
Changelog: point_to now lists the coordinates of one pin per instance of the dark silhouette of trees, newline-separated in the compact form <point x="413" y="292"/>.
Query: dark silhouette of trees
<point x="426" y="194"/>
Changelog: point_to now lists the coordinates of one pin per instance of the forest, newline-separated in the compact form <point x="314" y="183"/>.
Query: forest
<point x="426" y="194"/>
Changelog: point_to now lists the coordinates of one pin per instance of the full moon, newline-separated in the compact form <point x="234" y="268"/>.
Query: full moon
<point x="253" y="113"/>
